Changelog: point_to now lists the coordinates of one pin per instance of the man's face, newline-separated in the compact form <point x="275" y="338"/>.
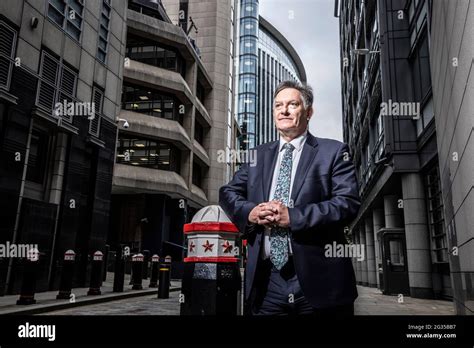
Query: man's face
<point x="291" y="119"/>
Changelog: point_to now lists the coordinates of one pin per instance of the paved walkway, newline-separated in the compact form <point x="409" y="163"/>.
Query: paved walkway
<point x="143" y="305"/>
<point x="46" y="301"/>
<point x="371" y="301"/>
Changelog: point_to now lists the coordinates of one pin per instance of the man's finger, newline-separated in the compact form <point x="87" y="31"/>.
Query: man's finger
<point x="264" y="213"/>
<point x="263" y="222"/>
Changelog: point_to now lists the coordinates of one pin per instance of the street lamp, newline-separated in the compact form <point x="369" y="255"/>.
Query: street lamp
<point x="363" y="51"/>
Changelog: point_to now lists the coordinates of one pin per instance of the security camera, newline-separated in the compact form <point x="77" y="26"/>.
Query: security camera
<point x="125" y="122"/>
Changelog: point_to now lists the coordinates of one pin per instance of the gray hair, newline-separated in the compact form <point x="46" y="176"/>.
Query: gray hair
<point x="305" y="90"/>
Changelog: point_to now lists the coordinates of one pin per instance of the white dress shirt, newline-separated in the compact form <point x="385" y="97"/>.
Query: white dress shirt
<point x="298" y="144"/>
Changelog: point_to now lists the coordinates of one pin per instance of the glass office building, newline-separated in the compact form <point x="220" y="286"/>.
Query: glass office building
<point x="265" y="58"/>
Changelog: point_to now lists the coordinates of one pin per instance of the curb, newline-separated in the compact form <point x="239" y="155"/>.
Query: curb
<point x="84" y="302"/>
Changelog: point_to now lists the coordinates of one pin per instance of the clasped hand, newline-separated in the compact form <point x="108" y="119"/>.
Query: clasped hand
<point x="272" y="214"/>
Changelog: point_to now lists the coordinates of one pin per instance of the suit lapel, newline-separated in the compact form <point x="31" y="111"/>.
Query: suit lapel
<point x="310" y="149"/>
<point x="269" y="162"/>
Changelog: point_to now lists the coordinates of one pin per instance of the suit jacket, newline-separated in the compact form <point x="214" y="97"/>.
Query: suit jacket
<point x="325" y="198"/>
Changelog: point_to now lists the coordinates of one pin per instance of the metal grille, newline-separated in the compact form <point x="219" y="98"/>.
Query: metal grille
<point x="47" y="85"/>
<point x="7" y="48"/>
<point x="94" y="124"/>
<point x="68" y="81"/>
<point x="57" y="84"/>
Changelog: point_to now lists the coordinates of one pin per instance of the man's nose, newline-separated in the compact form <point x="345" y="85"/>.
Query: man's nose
<point x="284" y="110"/>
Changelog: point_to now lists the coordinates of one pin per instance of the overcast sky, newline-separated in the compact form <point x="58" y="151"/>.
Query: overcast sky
<point x="312" y="29"/>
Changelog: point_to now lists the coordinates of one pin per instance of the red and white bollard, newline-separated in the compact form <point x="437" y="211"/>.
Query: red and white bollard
<point x="96" y="273"/>
<point x="211" y="278"/>
<point x="67" y="272"/>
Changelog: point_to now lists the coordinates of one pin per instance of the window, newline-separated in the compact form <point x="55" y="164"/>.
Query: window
<point x="57" y="83"/>
<point x="104" y="30"/>
<point x="249" y="8"/>
<point x="248" y="64"/>
<point x="150" y="102"/>
<point x="200" y="92"/>
<point x="7" y="51"/>
<point x="197" y="175"/>
<point x="247" y="103"/>
<point x="421" y="79"/>
<point x="436" y="215"/>
<point x="417" y="16"/>
<point x="98" y="100"/>
<point x="198" y="132"/>
<point x="148" y="153"/>
<point x="68" y="15"/>
<point x="38" y="157"/>
<point x="248" y="26"/>
<point x="396" y="253"/>
<point x="149" y="52"/>
<point x="148" y="8"/>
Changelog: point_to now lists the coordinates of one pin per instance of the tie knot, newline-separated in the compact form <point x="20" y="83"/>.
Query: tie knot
<point x="288" y="147"/>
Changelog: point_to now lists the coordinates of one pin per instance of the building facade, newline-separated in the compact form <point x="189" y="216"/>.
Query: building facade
<point x="265" y="58"/>
<point x="452" y="58"/>
<point x="60" y="78"/>
<point x="175" y="107"/>
<point x="394" y="118"/>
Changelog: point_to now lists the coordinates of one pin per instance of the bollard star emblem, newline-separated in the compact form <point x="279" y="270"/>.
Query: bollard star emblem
<point x="207" y="246"/>
<point x="191" y="247"/>
<point x="227" y="247"/>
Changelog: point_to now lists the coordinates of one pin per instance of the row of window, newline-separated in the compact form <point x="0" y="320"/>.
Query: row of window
<point x="142" y="152"/>
<point x="151" y="102"/>
<point x="152" y="53"/>
<point x="148" y="8"/>
<point x="68" y="15"/>
<point x="268" y="43"/>
<point x="270" y="73"/>
<point x="158" y="104"/>
<point x="148" y="153"/>
<point x="58" y="84"/>
<point x="420" y="75"/>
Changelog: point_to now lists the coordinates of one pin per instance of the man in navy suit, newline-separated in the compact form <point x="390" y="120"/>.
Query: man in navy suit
<point x="290" y="204"/>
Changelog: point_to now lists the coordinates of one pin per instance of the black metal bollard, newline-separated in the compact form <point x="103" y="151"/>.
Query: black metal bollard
<point x="146" y="260"/>
<point x="67" y="272"/>
<point x="119" y="269"/>
<point x="164" y="274"/>
<point x="28" y="286"/>
<point x="96" y="274"/>
<point x="137" y="265"/>
<point x="155" y="261"/>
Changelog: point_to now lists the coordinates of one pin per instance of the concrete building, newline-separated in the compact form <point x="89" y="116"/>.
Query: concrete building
<point x="452" y="58"/>
<point x="395" y="117"/>
<point x="60" y="78"/>
<point x="176" y="105"/>
<point x="265" y="58"/>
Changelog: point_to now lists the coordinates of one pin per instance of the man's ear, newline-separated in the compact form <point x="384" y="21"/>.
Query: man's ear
<point x="309" y="113"/>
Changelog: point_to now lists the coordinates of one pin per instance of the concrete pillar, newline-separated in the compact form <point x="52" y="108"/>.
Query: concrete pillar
<point x="378" y="222"/>
<point x="363" y="263"/>
<point x="358" y="268"/>
<point x="393" y="214"/>
<point x="417" y="236"/>
<point x="370" y="252"/>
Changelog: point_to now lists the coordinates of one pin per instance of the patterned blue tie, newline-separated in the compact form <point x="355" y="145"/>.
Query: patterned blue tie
<point x="279" y="235"/>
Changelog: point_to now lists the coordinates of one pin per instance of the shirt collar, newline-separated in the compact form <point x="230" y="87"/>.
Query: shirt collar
<point x="297" y="142"/>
